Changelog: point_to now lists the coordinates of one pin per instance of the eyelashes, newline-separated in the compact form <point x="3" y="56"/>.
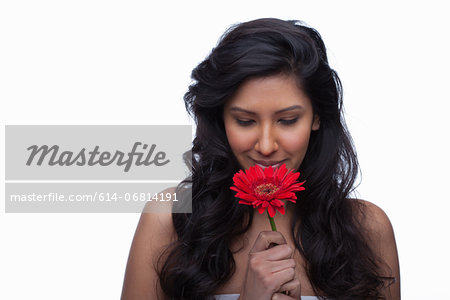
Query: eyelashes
<point x="288" y="121"/>
<point x="246" y="123"/>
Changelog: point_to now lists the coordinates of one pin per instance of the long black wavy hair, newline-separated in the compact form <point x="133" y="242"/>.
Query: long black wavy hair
<point x="340" y="264"/>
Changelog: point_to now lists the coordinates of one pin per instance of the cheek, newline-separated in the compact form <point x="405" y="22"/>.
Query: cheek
<point x="238" y="140"/>
<point x="296" y="143"/>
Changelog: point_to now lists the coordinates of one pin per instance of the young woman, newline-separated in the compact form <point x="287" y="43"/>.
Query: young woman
<point x="266" y="96"/>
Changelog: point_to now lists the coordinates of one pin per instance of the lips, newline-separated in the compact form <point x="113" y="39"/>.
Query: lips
<point x="266" y="163"/>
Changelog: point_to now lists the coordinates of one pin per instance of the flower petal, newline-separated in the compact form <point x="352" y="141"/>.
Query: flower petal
<point x="281" y="210"/>
<point x="286" y="195"/>
<point x="261" y="209"/>
<point x="271" y="211"/>
<point x="290" y="178"/>
<point x="245" y="202"/>
<point x="280" y="172"/>
<point x="245" y="196"/>
<point x="268" y="172"/>
<point x="276" y="203"/>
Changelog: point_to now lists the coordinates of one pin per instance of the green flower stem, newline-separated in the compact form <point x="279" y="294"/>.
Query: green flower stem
<point x="272" y="222"/>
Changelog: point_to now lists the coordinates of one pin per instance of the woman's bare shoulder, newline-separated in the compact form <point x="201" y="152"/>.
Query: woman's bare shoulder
<point x="372" y="217"/>
<point x="154" y="233"/>
<point x="381" y="239"/>
<point x="156" y="226"/>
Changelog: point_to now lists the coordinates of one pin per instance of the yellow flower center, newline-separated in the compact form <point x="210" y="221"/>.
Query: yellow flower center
<point x="266" y="189"/>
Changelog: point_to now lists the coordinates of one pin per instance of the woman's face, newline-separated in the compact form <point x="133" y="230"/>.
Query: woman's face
<point x="268" y="122"/>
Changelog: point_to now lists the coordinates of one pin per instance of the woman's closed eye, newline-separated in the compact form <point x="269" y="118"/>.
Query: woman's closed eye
<point x="244" y="122"/>
<point x="288" y="121"/>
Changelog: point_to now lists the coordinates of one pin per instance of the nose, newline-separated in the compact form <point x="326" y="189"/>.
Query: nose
<point x="266" y="143"/>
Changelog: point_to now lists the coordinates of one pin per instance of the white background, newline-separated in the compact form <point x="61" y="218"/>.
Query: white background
<point x="129" y="62"/>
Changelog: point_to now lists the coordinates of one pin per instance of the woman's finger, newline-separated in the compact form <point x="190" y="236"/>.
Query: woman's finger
<point x="282" y="277"/>
<point x="280" y="252"/>
<point x="280" y="265"/>
<point x="292" y="288"/>
<point x="281" y="296"/>
<point x="277" y="253"/>
<point x="265" y="238"/>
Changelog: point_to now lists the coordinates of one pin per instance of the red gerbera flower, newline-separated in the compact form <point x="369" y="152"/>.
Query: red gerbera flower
<point x="266" y="188"/>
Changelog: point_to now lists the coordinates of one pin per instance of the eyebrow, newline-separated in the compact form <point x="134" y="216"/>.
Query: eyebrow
<point x="236" y="108"/>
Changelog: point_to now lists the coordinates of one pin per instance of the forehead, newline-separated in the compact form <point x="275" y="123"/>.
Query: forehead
<point x="269" y="92"/>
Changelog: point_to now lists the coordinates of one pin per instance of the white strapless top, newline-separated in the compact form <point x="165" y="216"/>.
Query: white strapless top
<point x="236" y="296"/>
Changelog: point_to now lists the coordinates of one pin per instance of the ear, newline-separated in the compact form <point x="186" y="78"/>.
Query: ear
<point x="316" y="123"/>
